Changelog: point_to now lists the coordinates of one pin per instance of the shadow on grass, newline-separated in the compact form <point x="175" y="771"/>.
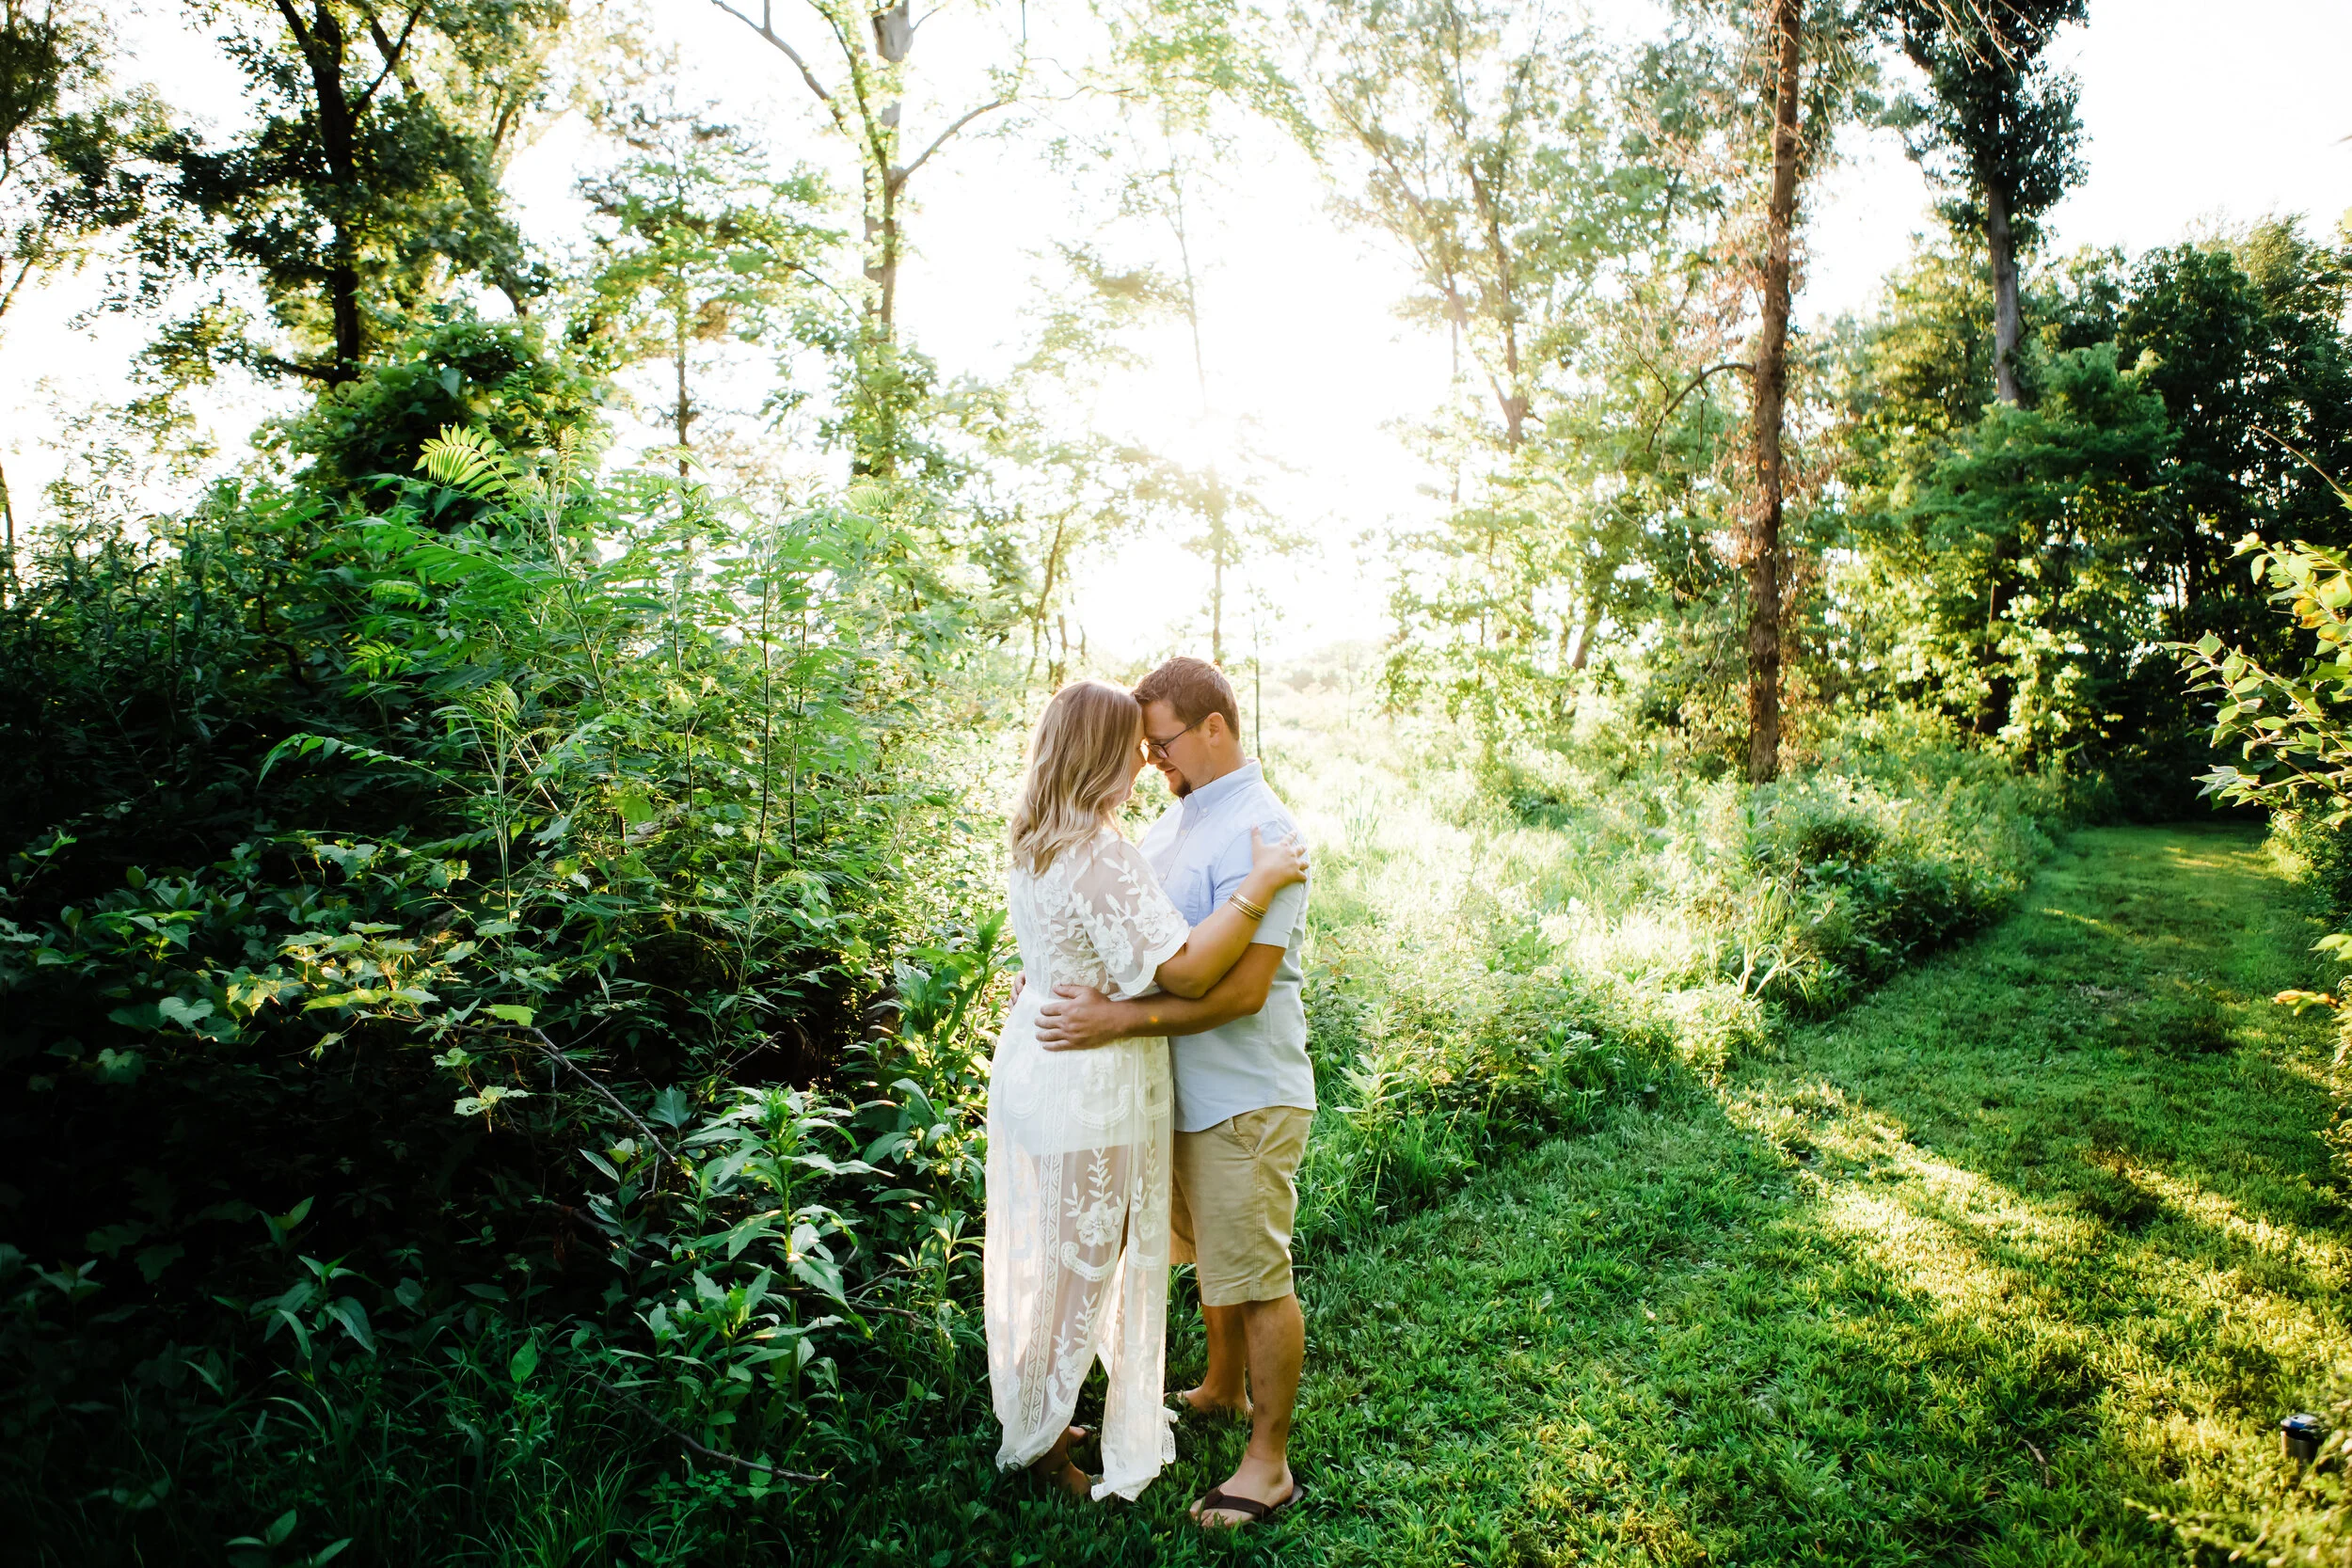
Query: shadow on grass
<point x="2040" y="1233"/>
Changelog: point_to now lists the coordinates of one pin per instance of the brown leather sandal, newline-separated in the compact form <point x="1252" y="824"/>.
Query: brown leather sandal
<point x="1252" y="1512"/>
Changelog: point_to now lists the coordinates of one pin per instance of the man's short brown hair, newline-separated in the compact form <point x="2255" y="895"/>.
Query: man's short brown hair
<point x="1195" y="689"/>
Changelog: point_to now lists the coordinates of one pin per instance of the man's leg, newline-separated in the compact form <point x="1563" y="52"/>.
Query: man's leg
<point x="1277" y="1349"/>
<point x="1257" y="1316"/>
<point x="1224" y="1386"/>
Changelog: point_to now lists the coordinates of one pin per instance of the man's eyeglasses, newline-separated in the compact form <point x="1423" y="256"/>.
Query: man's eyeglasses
<point x="1157" y="749"/>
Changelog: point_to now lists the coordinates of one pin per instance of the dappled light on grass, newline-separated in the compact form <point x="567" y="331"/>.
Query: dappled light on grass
<point x="1982" y="1269"/>
<point x="2328" y="1258"/>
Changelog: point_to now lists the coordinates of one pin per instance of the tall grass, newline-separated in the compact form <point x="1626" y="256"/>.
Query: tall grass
<point x="1504" y="945"/>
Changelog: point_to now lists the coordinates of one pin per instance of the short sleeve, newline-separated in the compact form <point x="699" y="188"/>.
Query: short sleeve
<point x="1283" y="913"/>
<point x="1128" y="917"/>
<point x="1286" y="909"/>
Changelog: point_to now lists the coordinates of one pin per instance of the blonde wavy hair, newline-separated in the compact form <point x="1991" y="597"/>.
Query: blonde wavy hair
<point x="1078" y="771"/>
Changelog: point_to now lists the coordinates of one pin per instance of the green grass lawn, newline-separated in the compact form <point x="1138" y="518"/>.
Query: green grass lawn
<point x="2038" y="1234"/>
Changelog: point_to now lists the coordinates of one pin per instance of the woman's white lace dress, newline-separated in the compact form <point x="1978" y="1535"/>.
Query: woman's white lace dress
<point x="1076" y="1257"/>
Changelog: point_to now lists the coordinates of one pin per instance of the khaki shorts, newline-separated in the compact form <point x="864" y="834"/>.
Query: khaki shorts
<point x="1235" y="1196"/>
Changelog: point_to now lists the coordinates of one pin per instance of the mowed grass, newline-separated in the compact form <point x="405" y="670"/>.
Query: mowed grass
<point x="2035" y="1240"/>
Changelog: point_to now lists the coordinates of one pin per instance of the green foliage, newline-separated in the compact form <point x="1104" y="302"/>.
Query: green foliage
<point x="71" y="145"/>
<point x="367" y="182"/>
<point x="2244" y="340"/>
<point x="2014" y="566"/>
<point x="346" y="814"/>
<point x="1999" y="127"/>
<point x="2292" y="734"/>
<point x="499" y="378"/>
<point x="1521" y="164"/>
<point x="695" y="244"/>
<point x="2005" y="580"/>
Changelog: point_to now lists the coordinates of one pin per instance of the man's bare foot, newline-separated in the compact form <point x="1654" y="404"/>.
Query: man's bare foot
<point x="1054" y="1465"/>
<point x="1271" y="1484"/>
<point x="1201" y="1403"/>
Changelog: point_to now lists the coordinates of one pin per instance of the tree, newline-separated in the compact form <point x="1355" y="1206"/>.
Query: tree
<point x="2011" y="573"/>
<point x="698" y="246"/>
<point x="864" y="107"/>
<point x="1541" y="227"/>
<point x="1772" y="388"/>
<point x="501" y="376"/>
<point x="69" y="145"/>
<point x="1998" y="129"/>
<point x="362" y="190"/>
<point x="2242" y="340"/>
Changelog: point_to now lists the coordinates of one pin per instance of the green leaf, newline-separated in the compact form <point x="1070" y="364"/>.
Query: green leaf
<point x="354" y="1319"/>
<point x="120" y="1067"/>
<point x="184" y="1013"/>
<point x="672" y="1108"/>
<point x="822" y="1273"/>
<point x="511" y="1013"/>
<point x="281" y="1227"/>
<point x="524" y="1362"/>
<point x="109" y="1240"/>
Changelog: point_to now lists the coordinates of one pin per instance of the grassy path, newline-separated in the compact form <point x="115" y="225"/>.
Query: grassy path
<point x="2039" y="1230"/>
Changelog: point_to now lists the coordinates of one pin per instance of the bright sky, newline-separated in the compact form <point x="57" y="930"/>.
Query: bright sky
<point x="2192" y="119"/>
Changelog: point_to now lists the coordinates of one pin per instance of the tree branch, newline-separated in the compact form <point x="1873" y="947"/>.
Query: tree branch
<point x="557" y="1053"/>
<point x="293" y="21"/>
<point x="390" y="51"/>
<point x="330" y="373"/>
<point x="898" y="176"/>
<point x="1687" y="388"/>
<point x="767" y="31"/>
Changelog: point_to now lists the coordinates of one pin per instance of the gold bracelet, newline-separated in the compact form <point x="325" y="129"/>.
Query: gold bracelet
<point x="1255" y="912"/>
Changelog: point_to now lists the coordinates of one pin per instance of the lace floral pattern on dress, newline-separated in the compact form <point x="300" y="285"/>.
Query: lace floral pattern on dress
<point x="1076" y="1263"/>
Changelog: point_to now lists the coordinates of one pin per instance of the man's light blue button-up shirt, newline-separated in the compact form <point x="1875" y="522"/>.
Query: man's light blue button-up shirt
<point x="1199" y="848"/>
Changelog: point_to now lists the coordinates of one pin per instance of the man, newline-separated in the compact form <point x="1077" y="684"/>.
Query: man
<point x="1244" y="1090"/>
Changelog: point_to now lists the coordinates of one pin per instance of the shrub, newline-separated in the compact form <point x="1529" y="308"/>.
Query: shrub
<point x="370" y="863"/>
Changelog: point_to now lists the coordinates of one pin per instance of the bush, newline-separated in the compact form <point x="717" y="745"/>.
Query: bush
<point x="439" y="939"/>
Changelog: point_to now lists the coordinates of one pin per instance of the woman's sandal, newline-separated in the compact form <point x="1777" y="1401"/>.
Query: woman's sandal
<point x="1252" y="1512"/>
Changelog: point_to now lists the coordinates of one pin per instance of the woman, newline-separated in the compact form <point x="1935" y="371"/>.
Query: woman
<point x="1076" y="1263"/>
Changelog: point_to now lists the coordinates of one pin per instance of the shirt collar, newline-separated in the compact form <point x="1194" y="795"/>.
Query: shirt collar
<point x="1209" y="796"/>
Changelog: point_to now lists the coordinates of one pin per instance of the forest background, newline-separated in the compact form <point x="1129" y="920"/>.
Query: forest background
<point x="510" y="692"/>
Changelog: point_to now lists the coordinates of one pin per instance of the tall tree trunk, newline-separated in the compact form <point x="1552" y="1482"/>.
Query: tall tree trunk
<point x="1584" y="632"/>
<point x="7" y="564"/>
<point x="684" y="411"/>
<point x="881" y="260"/>
<point x="2008" y="325"/>
<point x="322" y="46"/>
<point x="1771" y="390"/>
<point x="1045" y="593"/>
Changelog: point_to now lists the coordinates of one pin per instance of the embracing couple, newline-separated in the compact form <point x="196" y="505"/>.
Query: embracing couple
<point x="1107" y="1160"/>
